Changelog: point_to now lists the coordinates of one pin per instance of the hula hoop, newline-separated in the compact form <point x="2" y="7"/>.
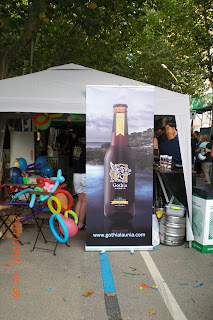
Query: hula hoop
<point x="63" y="226"/>
<point x="40" y="123"/>
<point x="69" y="196"/>
<point x="72" y="213"/>
<point x="50" y="206"/>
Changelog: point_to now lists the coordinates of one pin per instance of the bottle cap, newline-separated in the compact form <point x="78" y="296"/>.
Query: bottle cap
<point x="120" y="107"/>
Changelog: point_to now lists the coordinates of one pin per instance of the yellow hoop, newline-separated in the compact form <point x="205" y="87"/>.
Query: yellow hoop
<point x="50" y="206"/>
<point x="72" y="213"/>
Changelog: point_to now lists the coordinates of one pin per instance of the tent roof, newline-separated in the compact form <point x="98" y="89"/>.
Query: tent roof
<point x="63" y="89"/>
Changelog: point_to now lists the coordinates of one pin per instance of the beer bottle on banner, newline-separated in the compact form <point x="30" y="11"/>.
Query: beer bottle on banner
<point x="119" y="176"/>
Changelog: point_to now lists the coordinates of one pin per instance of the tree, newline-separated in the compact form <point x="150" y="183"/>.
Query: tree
<point x="20" y="23"/>
<point x="128" y="38"/>
<point x="82" y="32"/>
<point x="179" y="34"/>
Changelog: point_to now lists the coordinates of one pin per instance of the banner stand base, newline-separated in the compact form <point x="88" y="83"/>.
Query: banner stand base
<point x="118" y="248"/>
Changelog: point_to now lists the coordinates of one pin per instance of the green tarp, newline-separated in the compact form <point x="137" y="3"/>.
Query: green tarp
<point x="202" y="102"/>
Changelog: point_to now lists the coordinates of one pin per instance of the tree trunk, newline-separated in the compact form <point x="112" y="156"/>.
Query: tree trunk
<point x="4" y="62"/>
<point x="30" y="29"/>
<point x="211" y="84"/>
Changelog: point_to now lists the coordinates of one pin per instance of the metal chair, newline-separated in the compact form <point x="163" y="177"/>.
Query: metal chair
<point x="40" y="218"/>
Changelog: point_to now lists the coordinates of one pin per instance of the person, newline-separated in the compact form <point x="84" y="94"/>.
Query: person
<point x="63" y="145"/>
<point x="203" y="144"/>
<point x="194" y="141"/>
<point x="155" y="146"/>
<point x="200" y="149"/>
<point x="160" y="135"/>
<point x="73" y="141"/>
<point x="208" y="162"/>
<point x="79" y="178"/>
<point x="171" y="146"/>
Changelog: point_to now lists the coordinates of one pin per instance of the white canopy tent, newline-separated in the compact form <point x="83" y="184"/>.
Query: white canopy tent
<point x="63" y="89"/>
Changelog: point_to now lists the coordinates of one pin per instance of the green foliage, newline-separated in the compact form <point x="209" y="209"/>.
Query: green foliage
<point x="128" y="38"/>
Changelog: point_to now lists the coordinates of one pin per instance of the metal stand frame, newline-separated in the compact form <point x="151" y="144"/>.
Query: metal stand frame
<point x="45" y="241"/>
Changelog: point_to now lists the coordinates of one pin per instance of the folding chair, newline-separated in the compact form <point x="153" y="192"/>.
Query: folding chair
<point x="7" y="211"/>
<point x="40" y="218"/>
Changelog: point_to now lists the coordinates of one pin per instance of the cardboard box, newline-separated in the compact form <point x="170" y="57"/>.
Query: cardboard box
<point x="202" y="224"/>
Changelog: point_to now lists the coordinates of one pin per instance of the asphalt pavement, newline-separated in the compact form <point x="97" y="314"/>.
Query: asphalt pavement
<point x="163" y="284"/>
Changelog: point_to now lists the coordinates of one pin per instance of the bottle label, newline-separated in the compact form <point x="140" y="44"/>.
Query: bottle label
<point x="119" y="173"/>
<point x="77" y="152"/>
<point x="120" y="120"/>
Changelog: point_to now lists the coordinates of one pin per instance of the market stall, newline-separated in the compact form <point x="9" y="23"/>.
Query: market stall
<point x="63" y="88"/>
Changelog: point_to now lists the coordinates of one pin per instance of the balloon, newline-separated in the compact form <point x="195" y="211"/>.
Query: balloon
<point x="72" y="213"/>
<point x="59" y="179"/>
<point x="23" y="164"/>
<point x="40" y="162"/>
<point x="63" y="226"/>
<point x="47" y="170"/>
<point x="74" y="116"/>
<point x="50" y="206"/>
<point x="32" y="200"/>
<point x="48" y="186"/>
<point x="63" y="200"/>
<point x="54" y="115"/>
<point x="42" y="121"/>
<point x="44" y="126"/>
<point x="15" y="172"/>
<point x="20" y="193"/>
<point x="201" y="157"/>
<point x="67" y="204"/>
<point x="41" y="181"/>
<point x="16" y="164"/>
<point x="70" y="224"/>
<point x="31" y="165"/>
<point x="69" y="119"/>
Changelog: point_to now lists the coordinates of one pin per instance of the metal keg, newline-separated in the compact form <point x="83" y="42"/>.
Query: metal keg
<point x="172" y="230"/>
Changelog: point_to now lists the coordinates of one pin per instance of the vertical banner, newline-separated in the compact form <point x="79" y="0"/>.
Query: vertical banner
<point x="119" y="167"/>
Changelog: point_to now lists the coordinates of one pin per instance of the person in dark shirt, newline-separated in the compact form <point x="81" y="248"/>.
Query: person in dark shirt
<point x="79" y="179"/>
<point x="63" y="145"/>
<point x="208" y="162"/>
<point x="194" y="142"/>
<point x="171" y="146"/>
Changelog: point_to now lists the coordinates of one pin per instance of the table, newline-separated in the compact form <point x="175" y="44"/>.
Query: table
<point x="173" y="184"/>
<point x="8" y="209"/>
<point x="18" y="186"/>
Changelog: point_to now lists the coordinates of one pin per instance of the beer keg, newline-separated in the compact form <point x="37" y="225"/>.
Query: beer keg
<point x="172" y="230"/>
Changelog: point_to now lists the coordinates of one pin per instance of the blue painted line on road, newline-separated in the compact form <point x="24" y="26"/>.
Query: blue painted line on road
<point x="111" y="302"/>
<point x="107" y="277"/>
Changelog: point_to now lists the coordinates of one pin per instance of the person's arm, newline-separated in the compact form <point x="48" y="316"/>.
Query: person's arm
<point x="65" y="147"/>
<point x="212" y="151"/>
<point x="155" y="143"/>
<point x="207" y="150"/>
<point x="197" y="150"/>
